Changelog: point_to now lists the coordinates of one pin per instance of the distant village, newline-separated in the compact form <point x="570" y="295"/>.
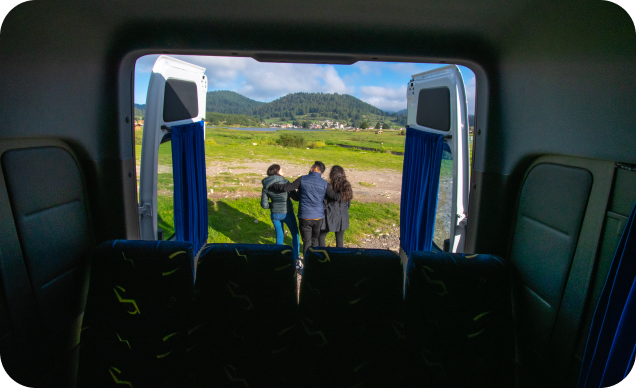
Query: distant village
<point x="326" y="124"/>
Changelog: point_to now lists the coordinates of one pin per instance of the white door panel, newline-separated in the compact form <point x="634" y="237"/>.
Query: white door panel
<point x="428" y="110"/>
<point x="176" y="95"/>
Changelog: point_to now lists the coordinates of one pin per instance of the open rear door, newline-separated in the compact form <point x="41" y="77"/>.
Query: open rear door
<point x="436" y="103"/>
<point x="176" y="95"/>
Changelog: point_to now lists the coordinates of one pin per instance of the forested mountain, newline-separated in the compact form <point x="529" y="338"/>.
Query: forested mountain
<point x="140" y="111"/>
<point x="225" y="101"/>
<point x="337" y="106"/>
<point x="231" y="119"/>
<point x="341" y="107"/>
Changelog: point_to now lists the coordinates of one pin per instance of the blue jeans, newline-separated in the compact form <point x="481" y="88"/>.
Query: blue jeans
<point x="288" y="218"/>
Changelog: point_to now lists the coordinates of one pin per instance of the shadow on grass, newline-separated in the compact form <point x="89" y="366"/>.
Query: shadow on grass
<point x="229" y="221"/>
<point x="236" y="224"/>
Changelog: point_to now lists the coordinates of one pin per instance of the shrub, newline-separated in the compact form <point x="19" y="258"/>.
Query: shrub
<point x="266" y="142"/>
<point x="291" y="140"/>
<point x="316" y="144"/>
<point x="211" y="142"/>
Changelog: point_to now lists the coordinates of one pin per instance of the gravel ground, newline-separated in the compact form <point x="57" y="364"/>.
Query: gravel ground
<point x="380" y="239"/>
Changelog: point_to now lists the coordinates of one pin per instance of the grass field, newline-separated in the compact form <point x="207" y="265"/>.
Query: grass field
<point x="232" y="220"/>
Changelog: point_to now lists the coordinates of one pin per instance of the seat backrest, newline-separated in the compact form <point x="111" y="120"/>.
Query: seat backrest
<point x="459" y="320"/>
<point x="46" y="238"/>
<point x="351" y="314"/>
<point x="137" y="314"/>
<point x="245" y="304"/>
<point x="551" y="210"/>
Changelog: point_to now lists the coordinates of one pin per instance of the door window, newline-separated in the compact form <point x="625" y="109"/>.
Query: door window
<point x="444" y="201"/>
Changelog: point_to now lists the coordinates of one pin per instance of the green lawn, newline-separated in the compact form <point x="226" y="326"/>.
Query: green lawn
<point x="232" y="220"/>
<point x="388" y="139"/>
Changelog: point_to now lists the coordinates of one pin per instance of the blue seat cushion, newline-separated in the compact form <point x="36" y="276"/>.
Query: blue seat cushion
<point x="351" y="315"/>
<point x="137" y="314"/>
<point x="459" y="319"/>
<point x="245" y="305"/>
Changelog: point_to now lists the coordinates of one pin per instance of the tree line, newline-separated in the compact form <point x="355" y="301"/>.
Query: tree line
<point x="339" y="107"/>
<point x="342" y="107"/>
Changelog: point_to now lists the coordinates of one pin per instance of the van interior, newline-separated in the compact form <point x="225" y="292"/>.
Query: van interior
<point x="91" y="297"/>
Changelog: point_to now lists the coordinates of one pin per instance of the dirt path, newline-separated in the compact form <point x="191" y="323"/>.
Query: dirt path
<point x="368" y="186"/>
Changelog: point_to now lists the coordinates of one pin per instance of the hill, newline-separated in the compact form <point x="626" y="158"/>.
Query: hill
<point x="342" y="107"/>
<point x="337" y="106"/>
<point x="225" y="101"/>
<point x="140" y="111"/>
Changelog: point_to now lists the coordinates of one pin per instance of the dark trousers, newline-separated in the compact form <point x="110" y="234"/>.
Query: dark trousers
<point x="309" y="232"/>
<point x="339" y="238"/>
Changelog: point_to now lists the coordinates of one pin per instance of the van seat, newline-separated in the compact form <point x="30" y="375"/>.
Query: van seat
<point x="137" y="314"/>
<point x="351" y="314"/>
<point x="459" y="320"/>
<point x="244" y="313"/>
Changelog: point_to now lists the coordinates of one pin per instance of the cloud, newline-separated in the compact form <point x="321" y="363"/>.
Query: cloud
<point x="385" y="98"/>
<point x="367" y="68"/>
<point x="267" y="81"/>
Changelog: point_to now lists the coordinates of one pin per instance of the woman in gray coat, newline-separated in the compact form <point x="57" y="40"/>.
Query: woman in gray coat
<point x="282" y="210"/>
<point x="337" y="212"/>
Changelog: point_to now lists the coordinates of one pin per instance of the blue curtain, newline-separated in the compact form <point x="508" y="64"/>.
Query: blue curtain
<point x="190" y="188"/>
<point x="611" y="344"/>
<point x="420" y="183"/>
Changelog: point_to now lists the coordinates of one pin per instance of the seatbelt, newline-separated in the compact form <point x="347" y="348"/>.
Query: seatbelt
<point x="565" y="331"/>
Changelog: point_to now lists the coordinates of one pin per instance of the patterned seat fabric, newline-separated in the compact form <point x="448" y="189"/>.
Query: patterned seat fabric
<point x="137" y="315"/>
<point x="459" y="320"/>
<point x="245" y="306"/>
<point x="351" y="315"/>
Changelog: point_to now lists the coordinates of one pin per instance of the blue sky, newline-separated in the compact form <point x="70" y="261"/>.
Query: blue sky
<point x="382" y="84"/>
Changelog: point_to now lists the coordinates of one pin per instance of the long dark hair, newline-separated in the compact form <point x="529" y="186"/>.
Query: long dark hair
<point x="273" y="169"/>
<point x="340" y="184"/>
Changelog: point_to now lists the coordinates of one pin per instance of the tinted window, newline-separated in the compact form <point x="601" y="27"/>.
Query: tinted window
<point x="180" y="100"/>
<point x="444" y="200"/>
<point x="433" y="108"/>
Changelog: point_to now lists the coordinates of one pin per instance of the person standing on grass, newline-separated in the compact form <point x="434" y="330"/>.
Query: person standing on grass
<point x="313" y="190"/>
<point x="282" y="210"/>
<point x="337" y="212"/>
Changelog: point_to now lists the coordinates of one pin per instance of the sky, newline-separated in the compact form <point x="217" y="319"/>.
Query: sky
<point x="381" y="84"/>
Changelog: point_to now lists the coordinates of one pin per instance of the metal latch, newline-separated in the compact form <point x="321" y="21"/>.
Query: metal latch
<point x="145" y="210"/>
<point x="461" y="220"/>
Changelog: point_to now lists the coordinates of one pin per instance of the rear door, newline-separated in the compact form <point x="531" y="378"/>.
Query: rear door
<point x="436" y="103"/>
<point x="176" y="95"/>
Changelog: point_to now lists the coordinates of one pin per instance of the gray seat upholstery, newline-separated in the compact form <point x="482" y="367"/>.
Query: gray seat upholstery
<point x="549" y="217"/>
<point x="44" y="262"/>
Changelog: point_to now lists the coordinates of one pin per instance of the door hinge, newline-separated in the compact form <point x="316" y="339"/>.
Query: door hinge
<point x="461" y="220"/>
<point x="145" y="210"/>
